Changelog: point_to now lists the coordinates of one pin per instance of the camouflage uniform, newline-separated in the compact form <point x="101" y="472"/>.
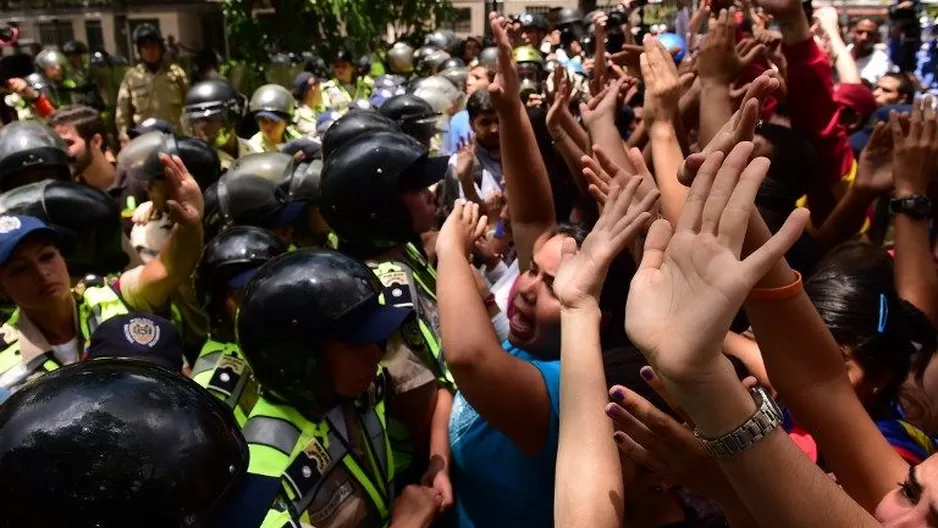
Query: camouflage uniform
<point x="144" y="94"/>
<point x="225" y="159"/>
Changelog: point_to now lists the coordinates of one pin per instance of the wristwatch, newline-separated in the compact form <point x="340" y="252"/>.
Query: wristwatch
<point x="767" y="417"/>
<point x="916" y="206"/>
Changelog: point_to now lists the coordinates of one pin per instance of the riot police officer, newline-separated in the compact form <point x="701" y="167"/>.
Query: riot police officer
<point x="213" y="109"/>
<point x="414" y="115"/>
<point x="227" y="263"/>
<point x="401" y="58"/>
<point x="272" y="106"/>
<point x="306" y="91"/>
<point x="153" y="88"/>
<point x="84" y="91"/>
<point x="246" y="198"/>
<point x="376" y="196"/>
<point x="46" y="309"/>
<point x="117" y="442"/>
<point x="352" y="125"/>
<point x="30" y="152"/>
<point x="314" y="328"/>
<point x="346" y="85"/>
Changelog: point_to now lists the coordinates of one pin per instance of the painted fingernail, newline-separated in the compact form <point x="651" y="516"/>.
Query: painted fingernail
<point x="618" y="395"/>
<point x="647" y="373"/>
<point x="618" y="437"/>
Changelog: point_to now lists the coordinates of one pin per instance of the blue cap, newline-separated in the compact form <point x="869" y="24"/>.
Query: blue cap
<point x="284" y="215"/>
<point x="674" y="44"/>
<point x="138" y="335"/>
<point x="14" y="229"/>
<point x="241" y="280"/>
<point x="369" y="323"/>
<point x="274" y="116"/>
<point x="858" y="140"/>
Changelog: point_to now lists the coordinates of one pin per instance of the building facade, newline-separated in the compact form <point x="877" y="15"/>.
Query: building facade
<point x="109" y="24"/>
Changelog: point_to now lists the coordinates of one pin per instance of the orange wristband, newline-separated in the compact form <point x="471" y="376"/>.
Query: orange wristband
<point x="777" y="294"/>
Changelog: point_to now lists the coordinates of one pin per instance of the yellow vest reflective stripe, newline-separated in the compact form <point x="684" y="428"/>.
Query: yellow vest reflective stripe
<point x="222" y="370"/>
<point x="332" y="241"/>
<point x="282" y="443"/>
<point x="98" y="304"/>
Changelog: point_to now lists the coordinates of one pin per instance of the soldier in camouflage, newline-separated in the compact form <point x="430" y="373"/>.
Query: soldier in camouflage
<point x="153" y="88"/>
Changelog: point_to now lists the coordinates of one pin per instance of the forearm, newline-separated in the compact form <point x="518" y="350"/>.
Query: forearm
<point x="579" y="135"/>
<point x="439" y="428"/>
<point x="467" y="330"/>
<point x="605" y="134"/>
<point x="845" y="221"/>
<point x="747" y="351"/>
<point x="529" y="193"/>
<point x="916" y="279"/>
<point x="847" y="71"/>
<point x="666" y="158"/>
<point x="182" y="251"/>
<point x="807" y="369"/>
<point x="589" y="489"/>
<point x="717" y="110"/>
<point x="571" y="154"/>
<point x="762" y="475"/>
<point x="794" y="28"/>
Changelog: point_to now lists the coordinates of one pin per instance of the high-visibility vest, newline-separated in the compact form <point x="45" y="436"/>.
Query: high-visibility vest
<point x="222" y="370"/>
<point x="286" y="445"/>
<point x="97" y="302"/>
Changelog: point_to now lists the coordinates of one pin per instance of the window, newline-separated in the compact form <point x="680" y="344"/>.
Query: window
<point x="461" y="22"/>
<point x="543" y="10"/>
<point x="56" y="32"/>
<point x="94" y="34"/>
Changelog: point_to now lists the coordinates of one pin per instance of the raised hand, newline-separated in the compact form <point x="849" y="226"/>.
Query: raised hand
<point x="185" y="202"/>
<point x="580" y="279"/>
<point x="662" y="84"/>
<point x="602" y="171"/>
<point x="506" y="86"/>
<point x="719" y="60"/>
<point x="690" y="282"/>
<point x="740" y="127"/>
<point x="462" y="228"/>
<point x="874" y="171"/>
<point x="915" y="140"/>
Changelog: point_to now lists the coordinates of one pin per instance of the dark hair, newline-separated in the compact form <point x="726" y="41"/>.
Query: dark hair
<point x="853" y="291"/>
<point x="480" y="102"/>
<point x="795" y="162"/>
<point x="86" y="120"/>
<point x="907" y="86"/>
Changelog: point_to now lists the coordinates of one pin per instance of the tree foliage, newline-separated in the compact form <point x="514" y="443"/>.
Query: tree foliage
<point x="325" y="25"/>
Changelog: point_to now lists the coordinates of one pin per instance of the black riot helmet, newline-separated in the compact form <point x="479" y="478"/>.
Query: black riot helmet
<point x="88" y="218"/>
<point x="294" y="304"/>
<point x="244" y="198"/>
<point x="299" y="181"/>
<point x="141" y="157"/>
<point x="353" y="124"/>
<point x="116" y="442"/>
<point x="227" y="262"/>
<point x="414" y="115"/>
<point x="451" y="63"/>
<point x="534" y="21"/>
<point x="201" y="160"/>
<point x="149" y="125"/>
<point x="212" y="97"/>
<point x="29" y="152"/>
<point x="361" y="186"/>
<point x="568" y="16"/>
<point x="147" y="33"/>
<point x="74" y="47"/>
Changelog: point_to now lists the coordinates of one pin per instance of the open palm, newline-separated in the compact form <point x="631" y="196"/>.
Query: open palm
<point x="691" y="281"/>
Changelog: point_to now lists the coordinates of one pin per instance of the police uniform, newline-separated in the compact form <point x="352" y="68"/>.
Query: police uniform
<point x="144" y="94"/>
<point x="27" y="355"/>
<point x="222" y="370"/>
<point x="338" y="96"/>
<point x="259" y="144"/>
<point x="244" y="148"/>
<point x="305" y="121"/>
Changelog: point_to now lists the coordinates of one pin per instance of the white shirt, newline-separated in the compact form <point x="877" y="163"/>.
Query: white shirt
<point x="874" y="65"/>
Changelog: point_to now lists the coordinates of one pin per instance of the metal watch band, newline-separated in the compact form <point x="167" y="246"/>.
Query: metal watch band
<point x="766" y="419"/>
